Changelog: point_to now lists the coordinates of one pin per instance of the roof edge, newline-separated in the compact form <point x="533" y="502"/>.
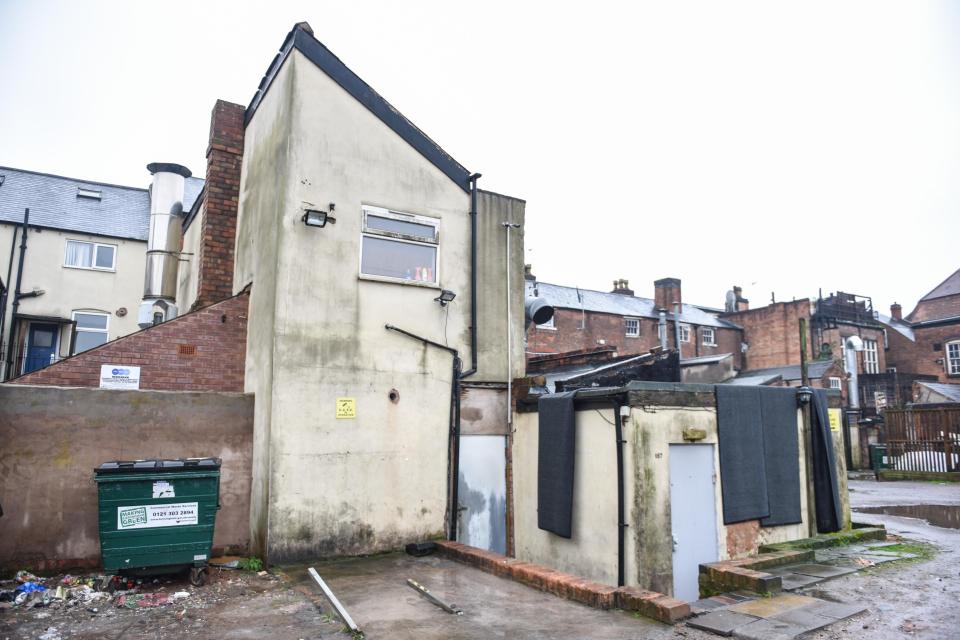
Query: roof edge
<point x="81" y="181"/>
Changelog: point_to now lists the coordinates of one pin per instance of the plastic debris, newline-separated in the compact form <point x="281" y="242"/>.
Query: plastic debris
<point x="180" y="595"/>
<point x="28" y="587"/>
<point x="142" y="600"/>
<point x="26" y="576"/>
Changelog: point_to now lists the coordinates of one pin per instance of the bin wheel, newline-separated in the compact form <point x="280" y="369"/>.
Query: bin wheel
<point x="198" y="576"/>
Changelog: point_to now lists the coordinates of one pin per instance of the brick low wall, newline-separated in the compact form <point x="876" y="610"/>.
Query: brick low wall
<point x="203" y="350"/>
<point x="53" y="438"/>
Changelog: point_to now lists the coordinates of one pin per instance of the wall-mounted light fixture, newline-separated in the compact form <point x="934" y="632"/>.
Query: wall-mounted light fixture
<point x="317" y="218"/>
<point x="446" y="297"/>
<point x="804" y="395"/>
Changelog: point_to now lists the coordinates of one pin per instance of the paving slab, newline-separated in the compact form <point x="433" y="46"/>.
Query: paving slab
<point x="767" y="607"/>
<point x="804" y="618"/>
<point x="836" y="610"/>
<point x="768" y="630"/>
<point x="721" y="622"/>
<point x="794" y="581"/>
<point x="820" y="570"/>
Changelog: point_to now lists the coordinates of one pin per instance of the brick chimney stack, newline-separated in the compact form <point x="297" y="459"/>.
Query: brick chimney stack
<point x="218" y="232"/>
<point x="622" y="286"/>
<point x="666" y="292"/>
<point x="896" y="311"/>
<point x="742" y="303"/>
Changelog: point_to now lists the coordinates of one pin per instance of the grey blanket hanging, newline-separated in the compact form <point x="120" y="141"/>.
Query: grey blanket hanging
<point x="555" y="463"/>
<point x="826" y="491"/>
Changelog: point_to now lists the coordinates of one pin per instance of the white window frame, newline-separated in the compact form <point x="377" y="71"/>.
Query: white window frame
<point x="549" y="325"/>
<point x="836" y="383"/>
<point x="78" y="329"/>
<point x="402" y="216"/>
<point x="712" y="342"/>
<point x="93" y="256"/>
<point x="684" y="332"/>
<point x="871" y="356"/>
<point x="635" y="333"/>
<point x="952" y="362"/>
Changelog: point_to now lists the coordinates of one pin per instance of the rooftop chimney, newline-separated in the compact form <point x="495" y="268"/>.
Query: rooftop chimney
<point x="622" y="286"/>
<point x="742" y="303"/>
<point x="666" y="292"/>
<point x="896" y="311"/>
<point x="163" y="244"/>
<point x="528" y="272"/>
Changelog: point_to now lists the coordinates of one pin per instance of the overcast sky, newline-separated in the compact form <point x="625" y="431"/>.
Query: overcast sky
<point x="784" y="147"/>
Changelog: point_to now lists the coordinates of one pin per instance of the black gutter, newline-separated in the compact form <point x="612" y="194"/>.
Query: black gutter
<point x="453" y="468"/>
<point x="621" y="520"/>
<point x="473" y="276"/>
<point x="16" y="289"/>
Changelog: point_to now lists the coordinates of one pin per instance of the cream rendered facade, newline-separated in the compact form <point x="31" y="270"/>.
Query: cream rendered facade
<point x="114" y="293"/>
<point x="317" y="339"/>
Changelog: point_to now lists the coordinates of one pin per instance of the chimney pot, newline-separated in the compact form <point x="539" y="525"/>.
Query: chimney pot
<point x="896" y="311"/>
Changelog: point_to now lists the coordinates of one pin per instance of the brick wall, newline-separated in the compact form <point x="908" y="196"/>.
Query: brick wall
<point x="772" y="333"/>
<point x="836" y="337"/>
<point x="567" y="336"/>
<point x="922" y="356"/>
<point x="203" y="350"/>
<point x="221" y="198"/>
<point x="936" y="309"/>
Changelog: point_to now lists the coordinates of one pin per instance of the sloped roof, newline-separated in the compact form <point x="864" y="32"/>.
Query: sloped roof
<point x="619" y="304"/>
<point x="816" y="369"/>
<point x="949" y="287"/>
<point x="951" y="391"/>
<point x="899" y="326"/>
<point x="120" y="212"/>
<point x="301" y="39"/>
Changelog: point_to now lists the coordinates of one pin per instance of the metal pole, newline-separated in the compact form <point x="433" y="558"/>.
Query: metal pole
<point x="676" y="327"/>
<point x="507" y="226"/>
<point x="347" y="620"/>
<point x="16" y="292"/>
<point x="804" y="378"/>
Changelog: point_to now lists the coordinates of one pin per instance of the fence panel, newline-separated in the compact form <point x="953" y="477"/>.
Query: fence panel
<point x="923" y="439"/>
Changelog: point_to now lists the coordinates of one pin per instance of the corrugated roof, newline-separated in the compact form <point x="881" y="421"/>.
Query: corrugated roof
<point x="949" y="287"/>
<point x="120" y="212"/>
<point x="816" y="369"/>
<point x="951" y="391"/>
<point x="619" y="304"/>
<point x="899" y="326"/>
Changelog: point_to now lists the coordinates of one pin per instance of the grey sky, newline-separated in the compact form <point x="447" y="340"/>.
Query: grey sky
<point x="782" y="147"/>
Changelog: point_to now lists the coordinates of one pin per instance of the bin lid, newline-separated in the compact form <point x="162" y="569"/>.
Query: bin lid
<point x="158" y="466"/>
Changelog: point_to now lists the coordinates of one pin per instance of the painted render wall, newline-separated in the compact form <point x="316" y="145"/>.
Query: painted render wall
<point x="69" y="289"/>
<point x="53" y="438"/>
<point x="325" y="486"/>
<point x="189" y="264"/>
<point x="651" y="429"/>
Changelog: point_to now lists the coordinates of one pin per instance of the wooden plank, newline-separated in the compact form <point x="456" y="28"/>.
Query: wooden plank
<point x="347" y="620"/>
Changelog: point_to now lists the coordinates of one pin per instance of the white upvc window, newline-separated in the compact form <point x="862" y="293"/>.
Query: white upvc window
<point x="684" y="333"/>
<point x="549" y="324"/>
<point x="91" y="328"/>
<point x="631" y="327"/>
<point x="953" y="358"/>
<point x="870" y="361"/>
<point x="90" y="255"/>
<point x="835" y="383"/>
<point x="399" y="247"/>
<point x="709" y="337"/>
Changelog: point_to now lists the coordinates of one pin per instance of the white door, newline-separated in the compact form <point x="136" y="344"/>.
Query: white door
<point x="482" y="493"/>
<point x="693" y="515"/>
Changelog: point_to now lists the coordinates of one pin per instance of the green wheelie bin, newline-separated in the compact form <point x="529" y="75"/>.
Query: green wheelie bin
<point x="157" y="516"/>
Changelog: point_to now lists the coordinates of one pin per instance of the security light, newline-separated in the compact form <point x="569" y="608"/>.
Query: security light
<point x="446" y="296"/>
<point x="317" y="218"/>
<point x="804" y="395"/>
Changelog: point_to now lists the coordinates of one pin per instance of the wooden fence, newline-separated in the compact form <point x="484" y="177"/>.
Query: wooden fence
<point x="923" y="439"/>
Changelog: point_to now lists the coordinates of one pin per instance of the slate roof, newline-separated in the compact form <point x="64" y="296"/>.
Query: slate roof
<point x="949" y="287"/>
<point x="619" y="304"/>
<point x="951" y="391"/>
<point x="815" y="370"/>
<point x="898" y="325"/>
<point x="121" y="212"/>
<point x="759" y="380"/>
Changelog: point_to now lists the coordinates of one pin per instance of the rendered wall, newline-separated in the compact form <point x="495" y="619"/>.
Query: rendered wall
<point x="53" y="438"/>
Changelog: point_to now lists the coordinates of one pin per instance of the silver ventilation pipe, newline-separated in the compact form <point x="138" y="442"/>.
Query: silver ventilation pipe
<point x="852" y="345"/>
<point x="676" y="327"/>
<point x="663" y="329"/>
<point x="163" y="245"/>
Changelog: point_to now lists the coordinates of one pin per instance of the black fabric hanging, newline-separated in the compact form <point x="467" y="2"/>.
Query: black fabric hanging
<point x="825" y="486"/>
<point x="781" y="447"/>
<point x="743" y="479"/>
<point x="555" y="460"/>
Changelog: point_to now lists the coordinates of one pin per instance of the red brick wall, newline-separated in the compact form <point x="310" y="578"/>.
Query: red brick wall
<point x="836" y="337"/>
<point x="936" y="309"/>
<point x="568" y="336"/>
<point x="920" y="356"/>
<point x="204" y="350"/>
<point x="221" y="198"/>
<point x="772" y="333"/>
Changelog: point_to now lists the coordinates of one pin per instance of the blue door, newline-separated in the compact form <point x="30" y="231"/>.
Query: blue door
<point x="41" y="346"/>
<point x="693" y="515"/>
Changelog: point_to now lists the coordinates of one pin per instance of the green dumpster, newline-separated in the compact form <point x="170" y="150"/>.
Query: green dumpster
<point x="157" y="516"/>
<point x="878" y="458"/>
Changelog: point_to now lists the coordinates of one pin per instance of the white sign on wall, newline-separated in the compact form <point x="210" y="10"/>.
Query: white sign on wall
<point x="157" y="515"/>
<point x="119" y="376"/>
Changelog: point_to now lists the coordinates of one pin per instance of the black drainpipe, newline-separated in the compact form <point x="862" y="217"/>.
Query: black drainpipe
<point x="621" y="519"/>
<point x="473" y="279"/>
<point x="6" y="293"/>
<point x="453" y="471"/>
<point x="16" y="291"/>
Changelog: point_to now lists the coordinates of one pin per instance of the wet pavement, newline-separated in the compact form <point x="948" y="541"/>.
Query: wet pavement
<point x="939" y="515"/>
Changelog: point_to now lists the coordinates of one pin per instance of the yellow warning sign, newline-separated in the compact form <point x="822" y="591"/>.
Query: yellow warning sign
<point x="346" y="408"/>
<point x="836" y="419"/>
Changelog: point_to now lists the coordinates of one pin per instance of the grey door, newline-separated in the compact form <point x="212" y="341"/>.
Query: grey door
<point x="693" y="515"/>
<point x="482" y="493"/>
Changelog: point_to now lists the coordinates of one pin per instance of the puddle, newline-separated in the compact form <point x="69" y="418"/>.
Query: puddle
<point x="939" y="515"/>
